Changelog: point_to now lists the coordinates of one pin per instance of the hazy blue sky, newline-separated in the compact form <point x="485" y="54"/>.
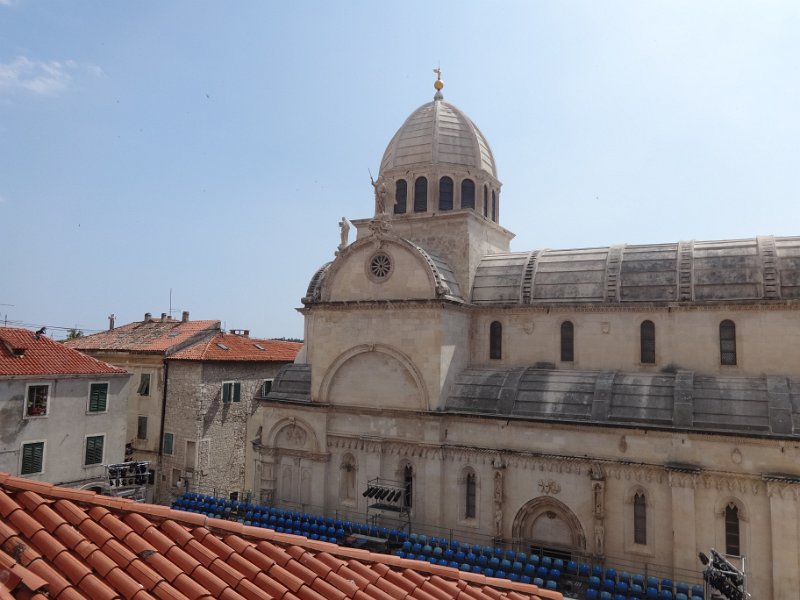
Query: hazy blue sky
<point x="211" y="147"/>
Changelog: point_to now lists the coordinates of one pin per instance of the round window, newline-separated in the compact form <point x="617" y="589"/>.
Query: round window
<point x="380" y="266"/>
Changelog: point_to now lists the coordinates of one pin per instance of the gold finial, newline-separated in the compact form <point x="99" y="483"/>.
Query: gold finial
<point x="438" y="84"/>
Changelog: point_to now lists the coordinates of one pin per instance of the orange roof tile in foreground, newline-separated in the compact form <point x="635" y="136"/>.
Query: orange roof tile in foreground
<point x="152" y="335"/>
<point x="72" y="545"/>
<point x="240" y="348"/>
<point x="22" y="352"/>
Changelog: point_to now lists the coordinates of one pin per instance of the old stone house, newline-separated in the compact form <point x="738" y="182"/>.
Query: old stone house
<point x="634" y="404"/>
<point x="211" y="396"/>
<point x="62" y="413"/>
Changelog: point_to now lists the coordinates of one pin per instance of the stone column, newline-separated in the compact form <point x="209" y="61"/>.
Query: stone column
<point x="684" y="539"/>
<point x="598" y="509"/>
<point x="784" y="539"/>
<point x="498" y="497"/>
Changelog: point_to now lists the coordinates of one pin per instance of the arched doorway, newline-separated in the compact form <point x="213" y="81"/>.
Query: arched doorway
<point x="549" y="524"/>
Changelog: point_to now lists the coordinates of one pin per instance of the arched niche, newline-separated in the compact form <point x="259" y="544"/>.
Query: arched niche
<point x="377" y="376"/>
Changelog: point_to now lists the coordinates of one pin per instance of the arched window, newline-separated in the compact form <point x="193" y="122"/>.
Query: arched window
<point x="467" y="194"/>
<point x="401" y="196"/>
<point x="348" y="478"/>
<point x="496" y="340"/>
<point x="732" y="546"/>
<point x="445" y="193"/>
<point x="421" y="194"/>
<point x="494" y="207"/>
<point x="640" y="518"/>
<point x="408" y="485"/>
<point x="567" y="342"/>
<point x="485" y="201"/>
<point x="727" y="342"/>
<point x="647" y="341"/>
<point x="470" y="490"/>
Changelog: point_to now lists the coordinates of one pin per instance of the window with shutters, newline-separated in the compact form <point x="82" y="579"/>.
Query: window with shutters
<point x="144" y="385"/>
<point x="32" y="458"/>
<point x="400" y="196"/>
<point x="445" y="193"/>
<point x="93" y="454"/>
<point x="727" y="342"/>
<point x="468" y="194"/>
<point x="37" y="400"/>
<point x="567" y="342"/>
<point x="647" y="341"/>
<point x="496" y="340"/>
<point x="266" y="387"/>
<point x="141" y="428"/>
<point x="231" y="391"/>
<point x="98" y="397"/>
<point x="421" y="194"/>
<point x="169" y="442"/>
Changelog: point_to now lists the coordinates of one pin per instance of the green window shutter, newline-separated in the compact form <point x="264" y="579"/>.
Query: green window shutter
<point x="168" y="439"/>
<point x="94" y="450"/>
<point x="32" y="457"/>
<point x="98" y="396"/>
<point x="226" y="392"/>
<point x="237" y="392"/>
<point x="141" y="428"/>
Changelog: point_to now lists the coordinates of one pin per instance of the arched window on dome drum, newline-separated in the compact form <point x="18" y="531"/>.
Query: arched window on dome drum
<point x="640" y="519"/>
<point x="468" y="194"/>
<point x="494" y="207"/>
<point x="727" y="342"/>
<point x="732" y="545"/>
<point x="401" y="196"/>
<point x="496" y="340"/>
<point x="647" y="335"/>
<point x="485" y="201"/>
<point x="445" y="193"/>
<point x="421" y="194"/>
<point x="567" y="342"/>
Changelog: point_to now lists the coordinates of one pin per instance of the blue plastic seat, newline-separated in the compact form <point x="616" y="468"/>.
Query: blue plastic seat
<point x="546" y="561"/>
<point x="513" y="576"/>
<point x="609" y="585"/>
<point x="558" y="564"/>
<point x="525" y="579"/>
<point x="542" y="572"/>
<point x="476" y="569"/>
<point x="594" y="582"/>
<point x="592" y="594"/>
<point x="471" y="558"/>
<point x="606" y="596"/>
<point x="539" y="582"/>
<point x="483" y="560"/>
<point x="533" y="559"/>
<point x="521" y="557"/>
<point x="597" y="570"/>
<point x="500" y="574"/>
<point x="427" y="550"/>
<point x="452" y="564"/>
<point x="681" y="596"/>
<point x="488" y="572"/>
<point x="651" y="593"/>
<point x="622" y="588"/>
<point x="516" y="566"/>
<point x="611" y="574"/>
<point x="554" y="574"/>
<point x="666" y="584"/>
<point x="681" y="588"/>
<point x="697" y="590"/>
<point x="494" y="562"/>
<point x="442" y="562"/>
<point x="437" y="552"/>
<point x="584" y="569"/>
<point x="665" y="594"/>
<point x="636" y="590"/>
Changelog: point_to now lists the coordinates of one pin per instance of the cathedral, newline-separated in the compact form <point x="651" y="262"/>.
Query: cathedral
<point x="630" y="405"/>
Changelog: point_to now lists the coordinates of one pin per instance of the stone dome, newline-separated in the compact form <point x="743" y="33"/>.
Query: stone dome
<point x="438" y="133"/>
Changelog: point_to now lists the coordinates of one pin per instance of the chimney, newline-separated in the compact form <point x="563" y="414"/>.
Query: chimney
<point x="163" y="317"/>
<point x="111" y="318"/>
<point x="185" y="317"/>
<point x="147" y="317"/>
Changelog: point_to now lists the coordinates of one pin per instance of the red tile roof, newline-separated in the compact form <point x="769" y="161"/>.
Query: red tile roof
<point x="23" y="353"/>
<point x="154" y="336"/>
<point x="240" y="348"/>
<point x="74" y="544"/>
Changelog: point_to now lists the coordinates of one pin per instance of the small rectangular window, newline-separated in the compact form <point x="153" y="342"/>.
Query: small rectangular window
<point x="141" y="428"/>
<point x="37" y="400"/>
<point x="231" y="391"/>
<point x="168" y="442"/>
<point x="266" y="387"/>
<point x="98" y="396"/>
<point x="144" y="385"/>
<point x="94" y="450"/>
<point x="32" y="458"/>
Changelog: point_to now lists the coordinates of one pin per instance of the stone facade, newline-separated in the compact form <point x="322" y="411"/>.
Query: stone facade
<point x="209" y="435"/>
<point x="436" y="358"/>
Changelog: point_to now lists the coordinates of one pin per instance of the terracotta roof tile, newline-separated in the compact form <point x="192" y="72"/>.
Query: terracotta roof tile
<point x="24" y="353"/>
<point x="230" y="347"/>
<point x="91" y="546"/>
<point x="147" y="336"/>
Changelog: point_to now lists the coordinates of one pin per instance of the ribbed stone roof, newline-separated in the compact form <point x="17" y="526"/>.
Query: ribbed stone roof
<point x="768" y="405"/>
<point x="438" y="133"/>
<point x="762" y="268"/>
